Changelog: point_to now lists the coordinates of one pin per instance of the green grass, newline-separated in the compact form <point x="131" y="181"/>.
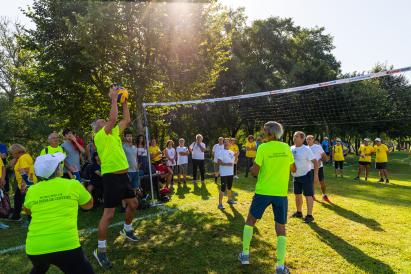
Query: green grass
<point x="367" y="230"/>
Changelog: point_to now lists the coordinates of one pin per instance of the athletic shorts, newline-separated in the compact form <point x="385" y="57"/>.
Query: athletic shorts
<point x="278" y="203"/>
<point x="116" y="188"/>
<point x="361" y="163"/>
<point x="182" y="169"/>
<point x="339" y="164"/>
<point x="134" y="179"/>
<point x="226" y="182"/>
<point x="381" y="165"/>
<point x="304" y="184"/>
<point x="320" y="174"/>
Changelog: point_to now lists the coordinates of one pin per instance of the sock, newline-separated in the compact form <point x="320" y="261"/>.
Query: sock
<point x="102" y="246"/>
<point x="281" y="247"/>
<point x="127" y="227"/>
<point x="247" y="236"/>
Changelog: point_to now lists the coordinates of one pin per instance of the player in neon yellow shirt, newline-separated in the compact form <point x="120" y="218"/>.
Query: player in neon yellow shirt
<point x="250" y="152"/>
<point x="365" y="151"/>
<point x="53" y="204"/>
<point x="273" y="164"/>
<point x="381" y="160"/>
<point x="24" y="174"/>
<point x="114" y="168"/>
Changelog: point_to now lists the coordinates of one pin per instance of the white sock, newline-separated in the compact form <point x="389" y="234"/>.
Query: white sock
<point x="128" y="227"/>
<point x="102" y="244"/>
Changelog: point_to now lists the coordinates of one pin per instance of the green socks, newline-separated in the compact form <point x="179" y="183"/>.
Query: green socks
<point x="281" y="247"/>
<point x="247" y="236"/>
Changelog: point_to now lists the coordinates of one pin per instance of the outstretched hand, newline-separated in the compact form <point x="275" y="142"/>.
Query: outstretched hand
<point x="113" y="92"/>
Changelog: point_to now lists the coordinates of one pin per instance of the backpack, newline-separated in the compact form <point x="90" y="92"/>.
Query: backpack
<point x="5" y="207"/>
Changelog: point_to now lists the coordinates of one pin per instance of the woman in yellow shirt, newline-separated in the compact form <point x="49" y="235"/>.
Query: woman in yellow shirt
<point x="24" y="173"/>
<point x="338" y="156"/>
<point x="155" y="152"/>
<point x="250" y="153"/>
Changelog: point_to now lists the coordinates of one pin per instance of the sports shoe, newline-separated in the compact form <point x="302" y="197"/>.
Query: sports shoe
<point x="325" y="198"/>
<point x="129" y="235"/>
<point x="308" y="219"/>
<point x="244" y="259"/>
<point x="15" y="219"/>
<point x="283" y="270"/>
<point x="387" y="181"/>
<point x="357" y="178"/>
<point x="297" y="215"/>
<point x="236" y="177"/>
<point x="102" y="259"/>
<point x="381" y="180"/>
<point x="221" y="207"/>
<point x="231" y="202"/>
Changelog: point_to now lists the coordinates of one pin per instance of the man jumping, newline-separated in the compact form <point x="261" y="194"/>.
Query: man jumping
<point x="272" y="164"/>
<point x="114" y="168"/>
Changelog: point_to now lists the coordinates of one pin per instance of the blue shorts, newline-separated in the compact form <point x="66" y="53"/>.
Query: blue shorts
<point x="304" y="184"/>
<point x="134" y="179"/>
<point x="278" y="203"/>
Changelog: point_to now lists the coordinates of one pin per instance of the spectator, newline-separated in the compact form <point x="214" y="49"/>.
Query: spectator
<point x="155" y="152"/>
<point x="197" y="150"/>
<point x="234" y="148"/>
<point x="170" y="155"/>
<point x="90" y="150"/>
<point x="141" y="149"/>
<point x="226" y="159"/>
<point x="364" y="162"/>
<point x="3" y="156"/>
<point x="53" y="205"/>
<point x="53" y="147"/>
<point x="325" y="144"/>
<point x="73" y="149"/>
<point x="95" y="187"/>
<point x="131" y="154"/>
<point x="182" y="160"/>
<point x="338" y="156"/>
<point x="250" y="152"/>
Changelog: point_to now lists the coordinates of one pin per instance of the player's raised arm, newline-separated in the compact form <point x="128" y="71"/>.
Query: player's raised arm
<point x="113" y="111"/>
<point x="123" y="124"/>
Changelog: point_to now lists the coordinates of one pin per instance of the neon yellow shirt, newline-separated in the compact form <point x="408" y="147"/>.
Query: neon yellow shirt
<point x="110" y="150"/>
<point x="367" y="151"/>
<point x="274" y="159"/>
<point x="250" y="153"/>
<point x="338" y="153"/>
<point x="24" y="162"/>
<point x="54" y="207"/>
<point x="52" y="150"/>
<point x="154" y="150"/>
<point x="381" y="153"/>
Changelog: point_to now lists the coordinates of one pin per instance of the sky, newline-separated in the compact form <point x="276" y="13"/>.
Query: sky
<point x="366" y="32"/>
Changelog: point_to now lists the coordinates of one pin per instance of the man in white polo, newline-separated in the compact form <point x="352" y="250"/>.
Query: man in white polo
<point x="217" y="148"/>
<point x="197" y="150"/>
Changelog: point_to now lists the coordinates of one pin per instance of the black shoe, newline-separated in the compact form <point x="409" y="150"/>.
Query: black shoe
<point x="102" y="259"/>
<point x="381" y="180"/>
<point x="386" y="181"/>
<point x="297" y="215"/>
<point x="308" y="219"/>
<point x="357" y="178"/>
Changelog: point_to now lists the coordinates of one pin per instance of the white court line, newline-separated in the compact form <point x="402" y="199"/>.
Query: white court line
<point x="88" y="231"/>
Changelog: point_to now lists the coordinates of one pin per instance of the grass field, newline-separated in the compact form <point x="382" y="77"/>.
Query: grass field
<point x="366" y="230"/>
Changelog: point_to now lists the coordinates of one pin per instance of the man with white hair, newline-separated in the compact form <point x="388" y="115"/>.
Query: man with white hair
<point x="365" y="151"/>
<point x="217" y="148"/>
<point x="197" y="150"/>
<point x="304" y="178"/>
<point x="272" y="164"/>
<point x="321" y="157"/>
<point x="381" y="160"/>
<point x="114" y="168"/>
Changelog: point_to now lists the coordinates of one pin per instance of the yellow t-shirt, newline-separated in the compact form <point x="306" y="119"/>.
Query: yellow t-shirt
<point x="154" y="150"/>
<point x="250" y="153"/>
<point x="338" y="153"/>
<point x="274" y="159"/>
<point x="367" y="151"/>
<point x="110" y="150"/>
<point x="54" y="207"/>
<point x="234" y="148"/>
<point x="24" y="162"/>
<point x="1" y="167"/>
<point x="52" y="150"/>
<point x="381" y="153"/>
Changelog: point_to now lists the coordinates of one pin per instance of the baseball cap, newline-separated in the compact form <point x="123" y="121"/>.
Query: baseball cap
<point x="45" y="165"/>
<point x="366" y="139"/>
<point x="338" y="140"/>
<point x="377" y="139"/>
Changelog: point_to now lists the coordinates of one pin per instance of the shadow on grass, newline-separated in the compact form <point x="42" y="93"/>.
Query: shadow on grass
<point x="350" y="253"/>
<point x="355" y="217"/>
<point x="201" y="191"/>
<point x="183" y="242"/>
<point x="182" y="189"/>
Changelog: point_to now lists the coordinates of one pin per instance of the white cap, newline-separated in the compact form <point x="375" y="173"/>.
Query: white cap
<point x="367" y="139"/>
<point x="338" y="140"/>
<point x="377" y="140"/>
<point x="46" y="165"/>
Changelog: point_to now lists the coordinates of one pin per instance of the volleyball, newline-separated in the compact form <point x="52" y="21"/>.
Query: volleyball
<point x="122" y="95"/>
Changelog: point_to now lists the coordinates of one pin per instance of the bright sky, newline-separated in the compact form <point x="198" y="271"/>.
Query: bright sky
<point x="366" y="32"/>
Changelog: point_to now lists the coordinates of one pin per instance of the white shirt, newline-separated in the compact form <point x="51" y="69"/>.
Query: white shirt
<point x="182" y="159"/>
<point x="197" y="154"/>
<point x="227" y="157"/>
<point x="141" y="151"/>
<point x="302" y="158"/>
<point x="171" y="154"/>
<point x="317" y="150"/>
<point x="217" y="148"/>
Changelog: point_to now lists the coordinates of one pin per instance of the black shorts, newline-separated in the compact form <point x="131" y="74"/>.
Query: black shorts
<point x="338" y="164"/>
<point x="381" y="165"/>
<point x="279" y="205"/>
<point x="304" y="184"/>
<point x="320" y="174"/>
<point x="361" y="163"/>
<point x="226" y="182"/>
<point x="116" y="188"/>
